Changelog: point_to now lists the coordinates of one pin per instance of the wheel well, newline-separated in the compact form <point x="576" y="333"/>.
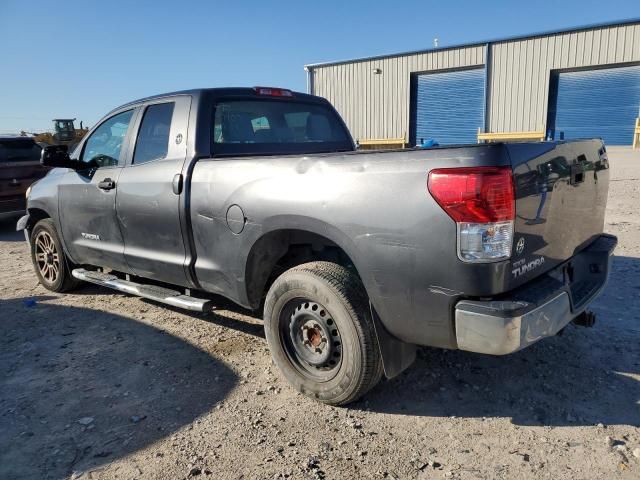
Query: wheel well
<point x="35" y="215"/>
<point x="277" y="252"/>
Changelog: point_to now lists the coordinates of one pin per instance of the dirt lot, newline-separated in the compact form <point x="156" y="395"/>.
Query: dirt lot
<point x="100" y="385"/>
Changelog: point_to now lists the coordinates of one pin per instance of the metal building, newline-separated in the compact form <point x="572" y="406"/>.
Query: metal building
<point x="582" y="82"/>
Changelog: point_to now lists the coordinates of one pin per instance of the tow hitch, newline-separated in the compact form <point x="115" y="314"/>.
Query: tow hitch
<point x="585" y="319"/>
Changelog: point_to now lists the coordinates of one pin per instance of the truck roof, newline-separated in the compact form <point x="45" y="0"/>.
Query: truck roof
<point x="225" y="91"/>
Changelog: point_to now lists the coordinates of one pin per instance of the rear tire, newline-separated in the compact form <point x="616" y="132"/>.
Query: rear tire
<point x="320" y="332"/>
<point x="53" y="268"/>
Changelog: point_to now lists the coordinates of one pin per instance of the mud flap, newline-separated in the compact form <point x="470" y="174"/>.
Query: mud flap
<point x="24" y="224"/>
<point x="396" y="355"/>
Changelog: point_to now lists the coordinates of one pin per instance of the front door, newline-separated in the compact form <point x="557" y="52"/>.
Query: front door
<point x="87" y="197"/>
<point x="150" y="192"/>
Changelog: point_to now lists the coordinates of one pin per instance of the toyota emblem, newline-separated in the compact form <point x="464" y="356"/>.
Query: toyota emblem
<point x="520" y="246"/>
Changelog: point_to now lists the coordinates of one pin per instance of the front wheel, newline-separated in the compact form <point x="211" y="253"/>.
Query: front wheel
<point x="320" y="332"/>
<point x="52" y="267"/>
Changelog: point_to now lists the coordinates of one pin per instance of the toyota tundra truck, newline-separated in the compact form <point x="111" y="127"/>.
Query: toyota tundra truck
<point x="352" y="258"/>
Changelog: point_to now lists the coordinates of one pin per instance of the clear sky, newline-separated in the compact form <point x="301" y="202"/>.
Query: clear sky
<point x="68" y="58"/>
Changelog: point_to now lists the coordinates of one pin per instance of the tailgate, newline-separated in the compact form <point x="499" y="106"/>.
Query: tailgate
<point x="561" y="195"/>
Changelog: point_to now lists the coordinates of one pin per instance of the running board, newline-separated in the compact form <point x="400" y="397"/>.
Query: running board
<point x="152" y="292"/>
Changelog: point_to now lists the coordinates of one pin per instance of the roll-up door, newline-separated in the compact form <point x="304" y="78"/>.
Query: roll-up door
<point x="600" y="103"/>
<point x="449" y="106"/>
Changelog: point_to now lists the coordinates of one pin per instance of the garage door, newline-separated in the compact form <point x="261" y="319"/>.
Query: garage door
<point x="595" y="103"/>
<point x="449" y="106"/>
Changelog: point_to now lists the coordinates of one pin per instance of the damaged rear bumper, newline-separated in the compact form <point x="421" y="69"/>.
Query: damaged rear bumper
<point x="538" y="309"/>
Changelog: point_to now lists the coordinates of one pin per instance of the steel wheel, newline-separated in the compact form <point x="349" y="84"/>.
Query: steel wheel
<point x="311" y="339"/>
<point x="47" y="257"/>
<point x="320" y="332"/>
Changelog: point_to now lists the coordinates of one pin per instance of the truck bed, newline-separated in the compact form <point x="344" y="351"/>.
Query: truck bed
<point x="376" y="206"/>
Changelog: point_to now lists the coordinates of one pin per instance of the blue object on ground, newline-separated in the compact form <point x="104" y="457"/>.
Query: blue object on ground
<point x="29" y="302"/>
<point x="429" y="142"/>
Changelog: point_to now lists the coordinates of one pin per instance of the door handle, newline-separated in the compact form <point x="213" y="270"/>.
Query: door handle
<point x="176" y="184"/>
<point x="107" y="184"/>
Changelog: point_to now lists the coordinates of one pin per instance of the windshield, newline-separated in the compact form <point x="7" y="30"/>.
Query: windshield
<point x="269" y="127"/>
<point x="19" y="150"/>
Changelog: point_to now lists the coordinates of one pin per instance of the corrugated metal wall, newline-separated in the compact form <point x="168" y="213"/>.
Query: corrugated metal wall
<point x="378" y="106"/>
<point x="521" y="70"/>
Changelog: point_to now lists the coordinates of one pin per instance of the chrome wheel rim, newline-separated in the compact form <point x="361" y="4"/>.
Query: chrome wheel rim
<point x="47" y="257"/>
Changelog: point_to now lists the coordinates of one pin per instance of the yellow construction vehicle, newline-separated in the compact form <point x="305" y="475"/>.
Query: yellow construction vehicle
<point x="64" y="133"/>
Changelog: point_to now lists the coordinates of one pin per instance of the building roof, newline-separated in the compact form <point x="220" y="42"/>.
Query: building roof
<point x="630" y="21"/>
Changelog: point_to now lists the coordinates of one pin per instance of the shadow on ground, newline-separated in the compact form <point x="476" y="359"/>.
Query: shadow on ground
<point x="582" y="377"/>
<point x="80" y="388"/>
<point x="216" y="317"/>
<point x="8" y="230"/>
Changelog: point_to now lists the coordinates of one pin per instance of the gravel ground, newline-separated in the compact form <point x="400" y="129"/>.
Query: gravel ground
<point x="100" y="385"/>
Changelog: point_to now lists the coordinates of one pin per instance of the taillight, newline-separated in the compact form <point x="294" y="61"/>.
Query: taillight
<point x="273" y="92"/>
<point x="481" y="201"/>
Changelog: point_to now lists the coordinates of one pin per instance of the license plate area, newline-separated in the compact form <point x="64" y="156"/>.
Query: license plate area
<point x="584" y="276"/>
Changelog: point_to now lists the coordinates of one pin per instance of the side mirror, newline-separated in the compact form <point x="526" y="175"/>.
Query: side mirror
<point x="57" y="156"/>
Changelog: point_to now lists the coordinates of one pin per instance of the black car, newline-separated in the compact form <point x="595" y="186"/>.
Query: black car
<point x="19" y="168"/>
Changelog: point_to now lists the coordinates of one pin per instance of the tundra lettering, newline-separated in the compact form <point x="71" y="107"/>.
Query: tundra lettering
<point x="90" y="236"/>
<point x="522" y="267"/>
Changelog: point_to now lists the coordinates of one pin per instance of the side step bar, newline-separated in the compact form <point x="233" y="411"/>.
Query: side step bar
<point x="152" y="292"/>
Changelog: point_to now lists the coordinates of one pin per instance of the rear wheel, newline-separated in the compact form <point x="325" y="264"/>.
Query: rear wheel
<point x="320" y="332"/>
<point x="52" y="266"/>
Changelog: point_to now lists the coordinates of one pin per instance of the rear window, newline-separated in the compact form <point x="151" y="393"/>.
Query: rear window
<point x="269" y="127"/>
<point x="153" y="137"/>
<point x="19" y="150"/>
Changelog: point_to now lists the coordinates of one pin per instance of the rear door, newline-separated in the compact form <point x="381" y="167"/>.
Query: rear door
<point x="87" y="197"/>
<point x="150" y="191"/>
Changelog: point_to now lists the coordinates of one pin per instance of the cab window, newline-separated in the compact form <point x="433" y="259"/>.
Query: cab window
<point x="270" y="127"/>
<point x="153" y="137"/>
<point x="103" y="147"/>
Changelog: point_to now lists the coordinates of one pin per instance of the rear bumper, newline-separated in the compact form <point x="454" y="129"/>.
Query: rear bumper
<point x="539" y="309"/>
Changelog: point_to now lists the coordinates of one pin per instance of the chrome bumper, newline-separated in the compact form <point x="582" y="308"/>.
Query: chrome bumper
<point x="487" y="327"/>
<point x="499" y="327"/>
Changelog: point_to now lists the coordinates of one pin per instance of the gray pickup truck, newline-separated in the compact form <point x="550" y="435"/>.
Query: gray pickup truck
<point x="351" y="257"/>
